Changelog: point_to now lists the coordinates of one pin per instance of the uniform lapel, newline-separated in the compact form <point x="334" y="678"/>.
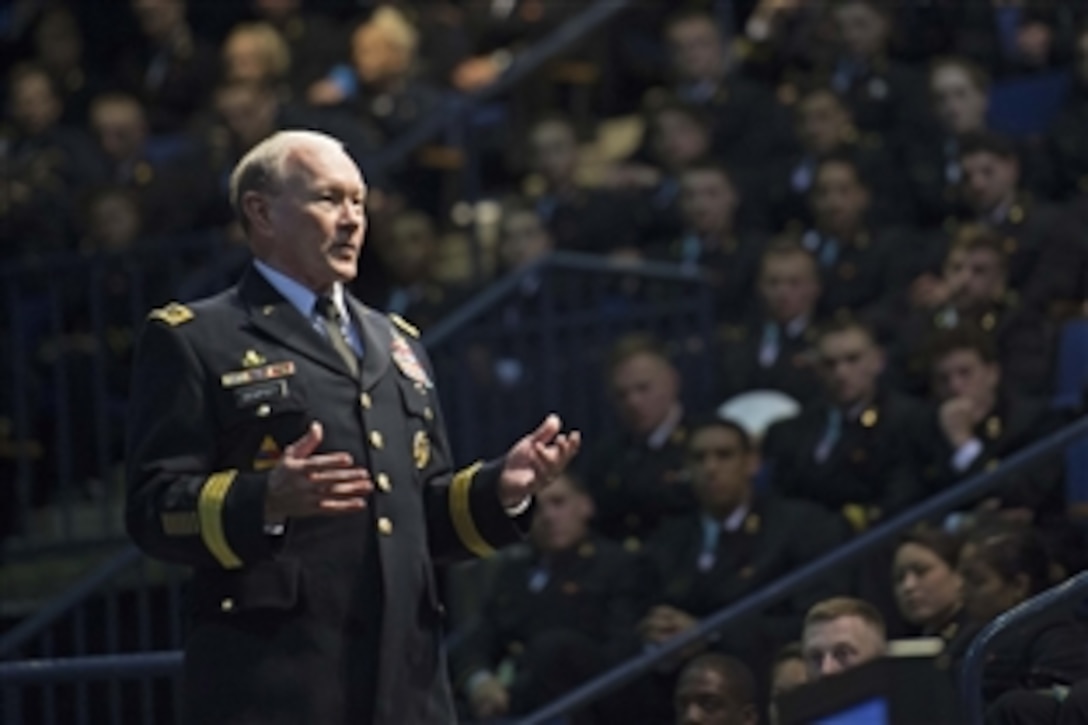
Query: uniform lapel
<point x="277" y="318"/>
<point x="377" y="335"/>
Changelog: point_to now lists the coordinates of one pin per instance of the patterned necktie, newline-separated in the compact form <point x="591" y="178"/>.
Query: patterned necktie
<point x="330" y="316"/>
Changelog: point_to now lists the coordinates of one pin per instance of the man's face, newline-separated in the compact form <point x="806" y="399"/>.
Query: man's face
<point x="821" y="122"/>
<point x="789" y="285"/>
<point x="708" y="201"/>
<point x="861" y="29"/>
<point x="840" y="644"/>
<point x="679" y="139"/>
<point x="524" y="239"/>
<point x="157" y="18"/>
<point x="376" y="56"/>
<point x="839" y="201"/>
<point x="722" y="469"/>
<point x="698" y="53"/>
<point x="851" y="364"/>
<point x="702" y="698"/>
<point x="989" y="180"/>
<point x="560" y="517"/>
<point x="34" y="105"/>
<point x="554" y="151"/>
<point x="645" y="389"/>
<point x="316" y="221"/>
<point x="964" y="374"/>
<point x="975" y="277"/>
<point x="248" y="112"/>
<point x="244" y="58"/>
<point x="120" y="128"/>
<point x="959" y="103"/>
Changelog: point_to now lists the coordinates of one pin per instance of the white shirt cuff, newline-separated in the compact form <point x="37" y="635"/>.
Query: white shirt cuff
<point x="515" y="511"/>
<point x="275" y="529"/>
<point x="966" y="454"/>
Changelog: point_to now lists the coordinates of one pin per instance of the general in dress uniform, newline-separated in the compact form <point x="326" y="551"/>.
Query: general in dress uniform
<point x="286" y="442"/>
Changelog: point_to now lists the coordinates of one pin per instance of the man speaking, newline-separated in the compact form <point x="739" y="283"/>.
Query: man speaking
<point x="286" y="442"/>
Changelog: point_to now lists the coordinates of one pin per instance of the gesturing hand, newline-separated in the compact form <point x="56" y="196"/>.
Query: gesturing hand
<point x="303" y="484"/>
<point x="536" y="460"/>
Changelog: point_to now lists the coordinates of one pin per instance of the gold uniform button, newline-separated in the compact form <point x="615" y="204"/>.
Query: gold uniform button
<point x="227" y="605"/>
<point x="364" y="400"/>
<point x="384" y="484"/>
<point x="385" y="526"/>
<point x="264" y="410"/>
<point x="376" y="439"/>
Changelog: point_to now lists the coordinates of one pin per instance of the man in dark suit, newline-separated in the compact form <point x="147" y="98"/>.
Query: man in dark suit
<point x="558" y="613"/>
<point x="286" y="442"/>
<point x="739" y="541"/>
<point x="851" y="452"/>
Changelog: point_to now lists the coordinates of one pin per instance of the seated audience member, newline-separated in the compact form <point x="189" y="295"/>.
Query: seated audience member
<point x="1015" y="40"/>
<point x="928" y="586"/>
<point x="959" y="93"/>
<point x="716" y="689"/>
<point x="750" y="128"/>
<point x="256" y="53"/>
<point x="46" y="166"/>
<point x="170" y="67"/>
<point x="314" y="43"/>
<point x="711" y="239"/>
<point x="380" y="89"/>
<point x="637" y="475"/>
<point x="864" y="267"/>
<point x="788" y="672"/>
<point x="560" y="611"/>
<point x="580" y="219"/>
<point x="406" y="247"/>
<point x="852" y="452"/>
<point x="824" y="127"/>
<point x="773" y="348"/>
<point x="1046" y="257"/>
<point x="1003" y="565"/>
<point x="977" y="421"/>
<point x="1068" y="145"/>
<point x="739" y="541"/>
<point x="158" y="179"/>
<point x="59" y="47"/>
<point x="884" y="95"/>
<point x="840" y="634"/>
<point x="973" y="290"/>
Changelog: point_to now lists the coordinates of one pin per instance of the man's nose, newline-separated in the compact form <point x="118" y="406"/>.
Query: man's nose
<point x="829" y="665"/>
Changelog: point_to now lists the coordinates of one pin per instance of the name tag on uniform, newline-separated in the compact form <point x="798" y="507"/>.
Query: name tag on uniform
<point x="251" y="395"/>
<point x="255" y="375"/>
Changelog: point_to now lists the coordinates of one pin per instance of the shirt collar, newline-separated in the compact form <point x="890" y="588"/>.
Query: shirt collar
<point x="732" y="523"/>
<point x="661" y="433"/>
<point x="299" y="295"/>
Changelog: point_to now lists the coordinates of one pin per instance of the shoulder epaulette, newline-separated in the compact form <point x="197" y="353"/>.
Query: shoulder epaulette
<point x="173" y="314"/>
<point x="404" y="324"/>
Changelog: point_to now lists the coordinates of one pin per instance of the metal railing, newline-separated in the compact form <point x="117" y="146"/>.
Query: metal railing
<point x="1007" y="623"/>
<point x="790" y="584"/>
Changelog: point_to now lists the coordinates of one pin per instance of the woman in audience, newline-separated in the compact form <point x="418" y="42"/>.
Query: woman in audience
<point x="1003" y="565"/>
<point x="928" y="586"/>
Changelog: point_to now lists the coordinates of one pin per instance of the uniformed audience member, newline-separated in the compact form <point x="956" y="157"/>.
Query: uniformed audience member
<point x="315" y="44"/>
<point x="716" y="689"/>
<point x="736" y="543"/>
<point x="558" y="612"/>
<point x="788" y="672"/>
<point x="286" y="443"/>
<point x="840" y="634"/>
<point x="929" y="588"/>
<point x="637" y="475"/>
<point x="852" y="452"/>
<point x="977" y="421"/>
<point x="772" y="349"/>
<point x="256" y="53"/>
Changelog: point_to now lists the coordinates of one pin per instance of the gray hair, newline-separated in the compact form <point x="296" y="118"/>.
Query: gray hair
<point x="261" y="169"/>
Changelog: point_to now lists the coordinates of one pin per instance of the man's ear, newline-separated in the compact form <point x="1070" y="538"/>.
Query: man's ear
<point x="254" y="207"/>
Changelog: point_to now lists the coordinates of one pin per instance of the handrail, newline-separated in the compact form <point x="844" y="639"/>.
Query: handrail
<point x="495" y="292"/>
<point x="855" y="549"/>
<point x="974" y="663"/>
<point x="570" y="32"/>
<point x="21" y="633"/>
<point x="88" y="667"/>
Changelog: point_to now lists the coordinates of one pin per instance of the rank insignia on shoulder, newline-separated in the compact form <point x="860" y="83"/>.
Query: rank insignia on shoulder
<point x="252" y="359"/>
<point x="408" y="363"/>
<point x="404" y="324"/>
<point x="173" y="314"/>
<point x="254" y="375"/>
